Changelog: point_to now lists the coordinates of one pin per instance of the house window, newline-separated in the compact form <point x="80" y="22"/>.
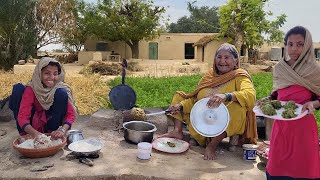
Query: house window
<point x="101" y="46"/>
<point x="188" y="51"/>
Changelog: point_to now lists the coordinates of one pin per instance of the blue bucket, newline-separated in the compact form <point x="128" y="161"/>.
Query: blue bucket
<point x="249" y="152"/>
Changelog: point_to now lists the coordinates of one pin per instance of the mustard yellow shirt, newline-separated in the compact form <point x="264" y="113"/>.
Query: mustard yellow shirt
<point x="245" y="93"/>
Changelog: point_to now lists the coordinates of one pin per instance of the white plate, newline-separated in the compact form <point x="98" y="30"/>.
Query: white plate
<point x="209" y="122"/>
<point x="161" y="144"/>
<point x="86" y="146"/>
<point x="278" y="116"/>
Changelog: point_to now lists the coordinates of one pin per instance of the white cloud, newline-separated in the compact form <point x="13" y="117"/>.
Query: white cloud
<point x="51" y="47"/>
<point x="299" y="12"/>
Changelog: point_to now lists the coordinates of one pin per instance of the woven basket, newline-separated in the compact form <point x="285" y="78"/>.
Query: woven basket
<point x="38" y="153"/>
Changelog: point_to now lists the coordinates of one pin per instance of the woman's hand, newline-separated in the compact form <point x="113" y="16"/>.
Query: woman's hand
<point x="216" y="100"/>
<point x="309" y="106"/>
<point x="32" y="132"/>
<point x="174" y="109"/>
<point x="37" y="137"/>
<point x="59" y="133"/>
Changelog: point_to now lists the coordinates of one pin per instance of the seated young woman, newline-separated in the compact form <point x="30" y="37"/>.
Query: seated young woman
<point x="45" y="104"/>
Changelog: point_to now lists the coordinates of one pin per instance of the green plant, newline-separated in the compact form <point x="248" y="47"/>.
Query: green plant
<point x="317" y="114"/>
<point x="263" y="84"/>
<point x="157" y="92"/>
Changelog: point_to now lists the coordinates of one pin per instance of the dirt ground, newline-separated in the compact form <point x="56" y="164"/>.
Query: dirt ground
<point x="118" y="159"/>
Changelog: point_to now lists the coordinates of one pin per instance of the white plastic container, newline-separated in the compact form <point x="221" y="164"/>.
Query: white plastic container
<point x="249" y="152"/>
<point x="144" y="150"/>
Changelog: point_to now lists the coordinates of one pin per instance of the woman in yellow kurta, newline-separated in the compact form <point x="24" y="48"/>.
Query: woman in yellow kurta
<point x="224" y="83"/>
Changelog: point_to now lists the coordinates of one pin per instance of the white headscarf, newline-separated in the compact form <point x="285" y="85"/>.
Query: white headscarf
<point x="304" y="72"/>
<point x="45" y="95"/>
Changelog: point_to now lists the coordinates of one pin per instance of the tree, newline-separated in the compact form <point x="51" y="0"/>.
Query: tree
<point x="276" y="35"/>
<point x="202" y="20"/>
<point x="52" y="17"/>
<point x="74" y="35"/>
<point x="128" y="20"/>
<point x="244" y="22"/>
<point x="17" y="31"/>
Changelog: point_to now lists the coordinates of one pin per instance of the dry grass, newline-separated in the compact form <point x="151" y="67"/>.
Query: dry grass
<point x="89" y="92"/>
<point x="8" y="79"/>
<point x="110" y="68"/>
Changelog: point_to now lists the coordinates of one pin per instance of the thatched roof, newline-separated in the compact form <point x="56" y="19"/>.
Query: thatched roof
<point x="205" y="40"/>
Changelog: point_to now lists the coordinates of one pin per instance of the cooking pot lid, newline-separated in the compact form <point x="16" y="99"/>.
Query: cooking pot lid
<point x="86" y="146"/>
<point x="209" y="122"/>
<point x="122" y="97"/>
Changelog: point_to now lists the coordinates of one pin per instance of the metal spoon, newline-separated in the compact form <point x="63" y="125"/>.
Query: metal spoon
<point x="159" y="113"/>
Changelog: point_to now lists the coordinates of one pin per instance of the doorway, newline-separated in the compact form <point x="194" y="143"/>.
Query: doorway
<point x="153" y="50"/>
<point x="188" y="51"/>
<point x="202" y="58"/>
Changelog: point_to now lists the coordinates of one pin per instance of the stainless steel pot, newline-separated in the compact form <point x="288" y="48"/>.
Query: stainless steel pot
<point x="138" y="131"/>
<point x="74" y="135"/>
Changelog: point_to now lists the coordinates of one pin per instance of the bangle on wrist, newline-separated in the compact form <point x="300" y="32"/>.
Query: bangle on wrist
<point x="181" y="107"/>
<point x="62" y="129"/>
<point x="228" y="96"/>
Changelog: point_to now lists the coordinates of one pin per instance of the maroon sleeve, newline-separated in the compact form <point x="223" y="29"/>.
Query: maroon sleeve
<point x="26" y="105"/>
<point x="70" y="115"/>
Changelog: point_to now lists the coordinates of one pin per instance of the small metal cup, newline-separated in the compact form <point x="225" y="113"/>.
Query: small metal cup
<point x="74" y="135"/>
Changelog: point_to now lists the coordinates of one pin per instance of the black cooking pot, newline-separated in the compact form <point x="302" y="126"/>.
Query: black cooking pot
<point x="122" y="97"/>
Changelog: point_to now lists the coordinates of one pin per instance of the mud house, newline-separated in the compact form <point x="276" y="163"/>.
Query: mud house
<point x="168" y="46"/>
<point x="208" y="45"/>
<point x="275" y="51"/>
<point x="193" y="47"/>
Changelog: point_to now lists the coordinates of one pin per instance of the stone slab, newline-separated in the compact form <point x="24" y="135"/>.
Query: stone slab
<point x="5" y="113"/>
<point x="109" y="119"/>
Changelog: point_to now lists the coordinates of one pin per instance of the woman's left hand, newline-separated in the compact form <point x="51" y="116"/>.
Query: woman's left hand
<point x="59" y="133"/>
<point x="308" y="106"/>
<point x="215" y="100"/>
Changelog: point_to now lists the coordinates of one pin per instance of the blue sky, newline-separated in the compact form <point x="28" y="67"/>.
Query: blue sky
<point x="299" y="12"/>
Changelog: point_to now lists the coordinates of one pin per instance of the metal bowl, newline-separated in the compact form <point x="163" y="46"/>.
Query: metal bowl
<point x="79" y="147"/>
<point x="138" y="131"/>
<point x="74" y="136"/>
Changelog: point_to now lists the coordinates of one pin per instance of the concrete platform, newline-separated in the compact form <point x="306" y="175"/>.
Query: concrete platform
<point x="118" y="158"/>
